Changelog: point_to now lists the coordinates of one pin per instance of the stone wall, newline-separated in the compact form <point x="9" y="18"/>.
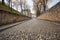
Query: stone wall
<point x="7" y="17"/>
<point x="52" y="14"/>
<point x="55" y="10"/>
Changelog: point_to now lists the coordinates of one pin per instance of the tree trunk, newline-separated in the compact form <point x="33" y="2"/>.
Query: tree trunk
<point x="21" y="7"/>
<point x="10" y="2"/>
<point x="44" y="5"/>
<point x="38" y="11"/>
<point x="3" y="2"/>
<point x="11" y="5"/>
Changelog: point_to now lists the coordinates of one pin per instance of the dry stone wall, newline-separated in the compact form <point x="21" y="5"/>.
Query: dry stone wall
<point x="7" y="17"/>
<point x="52" y="14"/>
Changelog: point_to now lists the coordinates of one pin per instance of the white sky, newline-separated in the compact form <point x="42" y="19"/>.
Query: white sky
<point x="50" y="4"/>
<point x="31" y="4"/>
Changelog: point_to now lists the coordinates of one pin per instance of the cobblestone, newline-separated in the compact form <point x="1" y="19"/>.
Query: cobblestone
<point x="30" y="36"/>
<point x="46" y="32"/>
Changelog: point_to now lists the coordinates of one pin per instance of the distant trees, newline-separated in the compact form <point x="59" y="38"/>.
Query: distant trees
<point x="22" y="4"/>
<point x="26" y="7"/>
<point x="9" y="2"/>
<point x="45" y="2"/>
<point x="38" y="4"/>
<point x="17" y="4"/>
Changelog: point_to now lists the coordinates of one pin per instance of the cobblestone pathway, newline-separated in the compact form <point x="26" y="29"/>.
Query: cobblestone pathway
<point x="32" y="30"/>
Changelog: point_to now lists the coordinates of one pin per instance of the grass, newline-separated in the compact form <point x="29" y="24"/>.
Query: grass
<point x="7" y="8"/>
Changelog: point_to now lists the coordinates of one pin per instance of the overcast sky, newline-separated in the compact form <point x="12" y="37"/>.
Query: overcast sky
<point x="50" y="3"/>
<point x="31" y="4"/>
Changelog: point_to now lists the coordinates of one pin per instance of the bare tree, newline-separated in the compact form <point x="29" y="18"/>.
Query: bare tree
<point x="3" y="2"/>
<point x="36" y="7"/>
<point x="16" y="4"/>
<point x="21" y="6"/>
<point x="9" y="2"/>
<point x="45" y="2"/>
<point x="38" y="4"/>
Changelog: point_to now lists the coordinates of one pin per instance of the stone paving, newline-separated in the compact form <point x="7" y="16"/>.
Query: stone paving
<point x="30" y="36"/>
<point x="25" y="33"/>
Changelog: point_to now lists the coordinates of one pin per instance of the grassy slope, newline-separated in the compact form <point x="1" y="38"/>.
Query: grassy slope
<point x="7" y="8"/>
<point x="8" y="18"/>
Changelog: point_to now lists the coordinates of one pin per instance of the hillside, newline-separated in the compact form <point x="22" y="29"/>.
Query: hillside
<point x="7" y="16"/>
<point x="7" y="8"/>
<point x="52" y="14"/>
